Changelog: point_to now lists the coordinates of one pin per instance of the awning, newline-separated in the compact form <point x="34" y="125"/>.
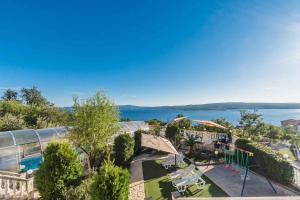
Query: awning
<point x="209" y="123"/>
<point x="158" y="143"/>
<point x="178" y="119"/>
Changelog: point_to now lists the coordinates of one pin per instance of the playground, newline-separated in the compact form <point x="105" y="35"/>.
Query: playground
<point x="232" y="183"/>
<point x="235" y="178"/>
<point x="223" y="170"/>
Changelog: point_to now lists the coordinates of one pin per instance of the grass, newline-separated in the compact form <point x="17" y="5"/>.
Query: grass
<point x="158" y="186"/>
<point x="288" y="152"/>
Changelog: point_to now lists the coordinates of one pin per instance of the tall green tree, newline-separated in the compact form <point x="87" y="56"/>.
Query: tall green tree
<point x="124" y="150"/>
<point x="252" y="123"/>
<point x="9" y="95"/>
<point x="33" y="96"/>
<point x="173" y="133"/>
<point x="95" y="122"/>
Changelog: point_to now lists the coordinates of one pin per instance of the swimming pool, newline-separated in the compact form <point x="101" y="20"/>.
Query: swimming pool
<point x="31" y="163"/>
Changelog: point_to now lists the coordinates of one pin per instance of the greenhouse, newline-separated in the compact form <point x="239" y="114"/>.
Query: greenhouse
<point x="22" y="149"/>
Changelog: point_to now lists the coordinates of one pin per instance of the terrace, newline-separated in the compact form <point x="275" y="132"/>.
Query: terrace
<point x="150" y="180"/>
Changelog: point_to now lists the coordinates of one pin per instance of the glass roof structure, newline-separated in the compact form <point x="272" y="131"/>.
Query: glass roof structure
<point x="132" y="126"/>
<point x="22" y="149"/>
<point x="19" y="145"/>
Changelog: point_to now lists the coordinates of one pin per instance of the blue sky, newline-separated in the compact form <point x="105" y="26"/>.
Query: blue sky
<point x="153" y="52"/>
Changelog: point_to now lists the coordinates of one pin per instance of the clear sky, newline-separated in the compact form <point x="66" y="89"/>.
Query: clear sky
<point x="151" y="52"/>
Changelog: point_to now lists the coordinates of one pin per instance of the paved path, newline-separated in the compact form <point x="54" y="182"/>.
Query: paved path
<point x="232" y="183"/>
<point x="136" y="186"/>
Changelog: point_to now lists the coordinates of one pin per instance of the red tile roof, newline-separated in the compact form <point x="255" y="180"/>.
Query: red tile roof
<point x="290" y="122"/>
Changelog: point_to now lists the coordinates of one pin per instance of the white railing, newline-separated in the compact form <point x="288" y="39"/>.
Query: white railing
<point x="15" y="187"/>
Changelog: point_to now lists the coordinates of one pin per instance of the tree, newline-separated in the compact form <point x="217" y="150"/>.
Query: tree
<point x="9" y="95"/>
<point x="33" y="96"/>
<point x="111" y="183"/>
<point x="155" y="127"/>
<point x="124" y="150"/>
<point x="95" y="121"/>
<point x="179" y="115"/>
<point x="138" y="142"/>
<point x="185" y="124"/>
<point x="10" y="122"/>
<point x="191" y="141"/>
<point x="296" y="140"/>
<point x="251" y="123"/>
<point x="288" y="133"/>
<point x="16" y="114"/>
<point x="172" y="132"/>
<point x="11" y="107"/>
<point x="59" y="170"/>
<point x="273" y="132"/>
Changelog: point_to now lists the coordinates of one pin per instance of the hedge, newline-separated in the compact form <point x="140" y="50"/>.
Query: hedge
<point x="269" y="163"/>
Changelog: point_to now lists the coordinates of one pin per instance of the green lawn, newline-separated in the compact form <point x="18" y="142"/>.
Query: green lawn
<point x="288" y="152"/>
<point x="158" y="186"/>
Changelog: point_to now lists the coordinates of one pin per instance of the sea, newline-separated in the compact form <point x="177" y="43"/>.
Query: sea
<point x="270" y="116"/>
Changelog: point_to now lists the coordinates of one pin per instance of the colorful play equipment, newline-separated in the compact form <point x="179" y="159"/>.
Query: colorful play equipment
<point x="236" y="159"/>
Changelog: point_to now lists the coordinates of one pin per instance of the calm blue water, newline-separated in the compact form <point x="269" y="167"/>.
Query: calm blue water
<point x="31" y="163"/>
<point x="271" y="116"/>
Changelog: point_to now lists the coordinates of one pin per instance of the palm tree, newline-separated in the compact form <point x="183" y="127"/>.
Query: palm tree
<point x="191" y="141"/>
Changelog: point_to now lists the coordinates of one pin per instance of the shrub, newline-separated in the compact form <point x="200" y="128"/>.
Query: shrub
<point x="111" y="183"/>
<point x="10" y="122"/>
<point x="59" y="170"/>
<point x="240" y="143"/>
<point x="172" y="131"/>
<point x="124" y="150"/>
<point x="138" y="142"/>
<point x="270" y="163"/>
<point x="81" y="192"/>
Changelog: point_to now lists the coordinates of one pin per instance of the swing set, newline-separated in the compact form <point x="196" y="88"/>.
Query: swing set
<point x="238" y="160"/>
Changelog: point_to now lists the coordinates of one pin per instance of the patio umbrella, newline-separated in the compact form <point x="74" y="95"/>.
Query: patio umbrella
<point x="158" y="143"/>
<point x="209" y="123"/>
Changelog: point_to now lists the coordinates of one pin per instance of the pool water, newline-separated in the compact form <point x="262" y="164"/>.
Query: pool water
<point x="31" y="163"/>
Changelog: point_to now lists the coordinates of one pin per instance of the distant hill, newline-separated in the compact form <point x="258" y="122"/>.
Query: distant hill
<point x="236" y="105"/>
<point x="213" y="106"/>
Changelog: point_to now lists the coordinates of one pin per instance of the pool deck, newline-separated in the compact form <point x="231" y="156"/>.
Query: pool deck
<point x="232" y="183"/>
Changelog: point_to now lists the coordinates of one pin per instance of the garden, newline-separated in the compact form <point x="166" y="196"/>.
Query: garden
<point x="92" y="162"/>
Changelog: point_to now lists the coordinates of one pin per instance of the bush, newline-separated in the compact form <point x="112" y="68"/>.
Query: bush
<point x="172" y="131"/>
<point x="111" y="183"/>
<point x="270" y="163"/>
<point x="59" y="170"/>
<point x="240" y="143"/>
<point x="10" y="122"/>
<point x="124" y="150"/>
<point x="138" y="142"/>
<point x="80" y="192"/>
